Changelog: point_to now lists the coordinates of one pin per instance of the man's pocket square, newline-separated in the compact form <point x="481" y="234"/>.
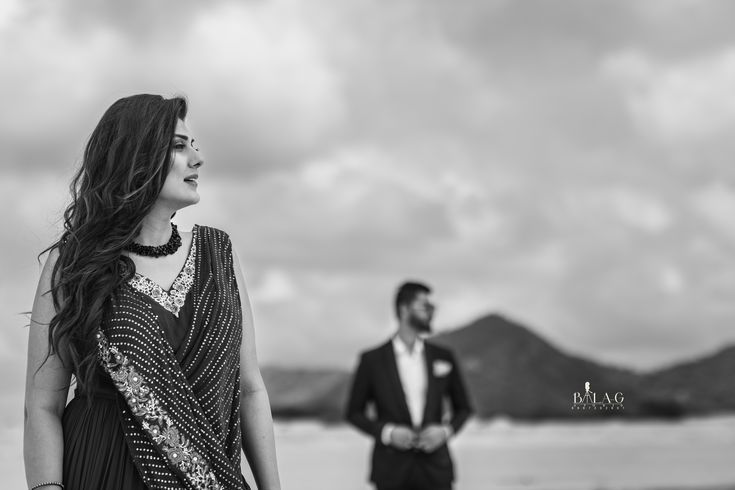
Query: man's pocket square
<point x="442" y="368"/>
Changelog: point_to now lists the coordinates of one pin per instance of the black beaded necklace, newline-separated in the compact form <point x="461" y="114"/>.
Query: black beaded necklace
<point x="168" y="248"/>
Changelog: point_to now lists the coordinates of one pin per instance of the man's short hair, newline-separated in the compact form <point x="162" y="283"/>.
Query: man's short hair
<point x="407" y="292"/>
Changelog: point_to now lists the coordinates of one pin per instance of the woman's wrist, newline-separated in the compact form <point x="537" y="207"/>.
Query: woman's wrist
<point x="51" y="485"/>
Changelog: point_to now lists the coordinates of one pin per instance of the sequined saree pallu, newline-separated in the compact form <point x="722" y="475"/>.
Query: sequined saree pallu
<point x="180" y="408"/>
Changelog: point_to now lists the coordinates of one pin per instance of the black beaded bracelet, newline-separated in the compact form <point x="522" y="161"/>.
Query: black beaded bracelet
<point x="58" y="484"/>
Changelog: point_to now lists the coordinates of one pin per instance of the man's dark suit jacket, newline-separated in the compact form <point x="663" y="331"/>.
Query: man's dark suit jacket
<point x="377" y="381"/>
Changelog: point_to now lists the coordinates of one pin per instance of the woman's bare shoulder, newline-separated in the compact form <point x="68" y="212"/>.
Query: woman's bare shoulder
<point x="44" y="282"/>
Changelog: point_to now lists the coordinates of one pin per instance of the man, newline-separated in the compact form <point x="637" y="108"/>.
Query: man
<point x="407" y="380"/>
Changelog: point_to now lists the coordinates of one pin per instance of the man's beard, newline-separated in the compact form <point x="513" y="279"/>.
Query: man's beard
<point x="419" y="324"/>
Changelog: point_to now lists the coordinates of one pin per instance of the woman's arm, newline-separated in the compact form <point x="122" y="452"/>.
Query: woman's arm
<point x="47" y="386"/>
<point x="256" y="420"/>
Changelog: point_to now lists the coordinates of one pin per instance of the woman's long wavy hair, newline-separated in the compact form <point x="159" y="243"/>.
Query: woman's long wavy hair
<point x="125" y="164"/>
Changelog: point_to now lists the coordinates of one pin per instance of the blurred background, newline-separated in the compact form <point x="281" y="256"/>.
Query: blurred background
<point x="559" y="172"/>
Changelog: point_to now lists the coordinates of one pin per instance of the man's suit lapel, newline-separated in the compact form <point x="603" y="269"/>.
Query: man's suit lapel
<point x="431" y="389"/>
<point x="389" y="358"/>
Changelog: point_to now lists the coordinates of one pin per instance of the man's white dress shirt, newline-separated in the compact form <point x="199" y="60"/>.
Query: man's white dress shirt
<point x="412" y="372"/>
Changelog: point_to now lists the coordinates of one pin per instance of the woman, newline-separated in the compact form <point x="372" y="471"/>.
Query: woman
<point x="155" y="326"/>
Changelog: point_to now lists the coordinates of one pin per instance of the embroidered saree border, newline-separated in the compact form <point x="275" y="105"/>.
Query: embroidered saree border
<point x="154" y="419"/>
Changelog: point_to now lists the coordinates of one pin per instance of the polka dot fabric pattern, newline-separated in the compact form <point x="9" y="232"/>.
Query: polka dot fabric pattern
<point x="180" y="410"/>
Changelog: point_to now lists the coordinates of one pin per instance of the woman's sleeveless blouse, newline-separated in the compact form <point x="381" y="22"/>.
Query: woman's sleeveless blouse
<point x="171" y="376"/>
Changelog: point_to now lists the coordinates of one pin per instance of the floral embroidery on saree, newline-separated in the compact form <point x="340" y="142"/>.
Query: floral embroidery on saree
<point x="173" y="299"/>
<point x="155" y="421"/>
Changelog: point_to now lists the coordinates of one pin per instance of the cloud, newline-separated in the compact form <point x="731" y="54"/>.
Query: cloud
<point x="261" y="91"/>
<point x="715" y="203"/>
<point x="672" y="280"/>
<point x="563" y="164"/>
<point x="361" y="219"/>
<point x="641" y="211"/>
<point x="685" y="100"/>
<point x="275" y="286"/>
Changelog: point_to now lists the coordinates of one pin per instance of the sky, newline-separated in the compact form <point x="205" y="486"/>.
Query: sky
<point x="566" y="164"/>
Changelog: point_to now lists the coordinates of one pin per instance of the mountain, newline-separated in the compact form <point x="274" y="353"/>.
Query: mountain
<point x="511" y="371"/>
<point x="699" y="387"/>
<point x="307" y="393"/>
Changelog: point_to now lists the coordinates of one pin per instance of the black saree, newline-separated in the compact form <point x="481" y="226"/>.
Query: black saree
<point x="179" y="407"/>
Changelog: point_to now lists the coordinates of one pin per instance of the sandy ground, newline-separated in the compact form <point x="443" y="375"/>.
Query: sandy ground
<point x="503" y="455"/>
<point x="697" y="453"/>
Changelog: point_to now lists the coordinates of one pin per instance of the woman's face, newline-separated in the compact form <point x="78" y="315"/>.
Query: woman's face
<point x="180" y="188"/>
